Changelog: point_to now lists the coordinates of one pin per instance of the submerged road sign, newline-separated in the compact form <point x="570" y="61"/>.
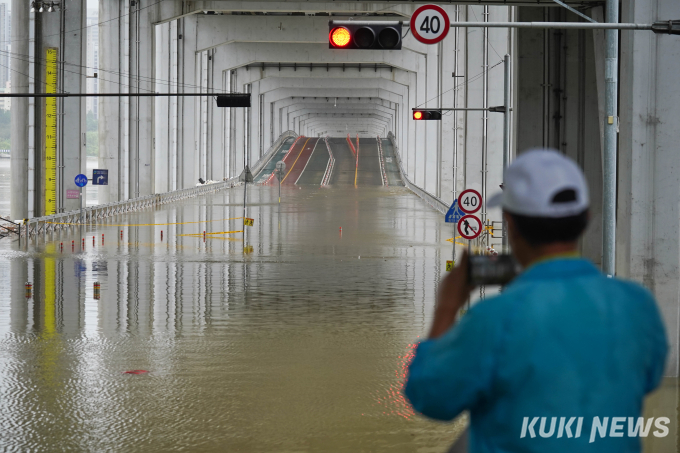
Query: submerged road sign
<point x="470" y="227"/>
<point x="454" y="214"/>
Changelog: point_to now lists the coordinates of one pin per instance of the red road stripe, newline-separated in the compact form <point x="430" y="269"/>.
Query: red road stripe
<point x="300" y="161"/>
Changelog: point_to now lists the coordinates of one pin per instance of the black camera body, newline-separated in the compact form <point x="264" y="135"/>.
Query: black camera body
<point x="492" y="269"/>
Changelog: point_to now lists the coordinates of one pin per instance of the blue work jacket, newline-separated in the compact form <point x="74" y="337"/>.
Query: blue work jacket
<point x="562" y="343"/>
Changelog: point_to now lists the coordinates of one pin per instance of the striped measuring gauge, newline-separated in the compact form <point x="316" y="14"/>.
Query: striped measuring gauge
<point x="51" y="133"/>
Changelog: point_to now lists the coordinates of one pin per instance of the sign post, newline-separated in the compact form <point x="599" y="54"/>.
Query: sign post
<point x="81" y="181"/>
<point x="280" y="170"/>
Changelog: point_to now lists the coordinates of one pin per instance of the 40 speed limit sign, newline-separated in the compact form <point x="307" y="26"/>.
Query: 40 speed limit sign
<point x="430" y="24"/>
<point x="470" y="201"/>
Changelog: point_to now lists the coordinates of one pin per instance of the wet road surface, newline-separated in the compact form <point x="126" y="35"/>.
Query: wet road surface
<point x="300" y="346"/>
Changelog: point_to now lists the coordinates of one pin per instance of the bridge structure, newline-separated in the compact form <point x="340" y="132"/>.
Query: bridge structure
<point x="341" y="117"/>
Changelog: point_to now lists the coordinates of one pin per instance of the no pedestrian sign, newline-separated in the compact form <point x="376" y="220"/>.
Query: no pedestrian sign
<point x="470" y="227"/>
<point x="430" y="24"/>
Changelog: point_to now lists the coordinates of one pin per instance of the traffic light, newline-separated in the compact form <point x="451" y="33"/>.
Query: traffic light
<point x="364" y="35"/>
<point x="424" y="115"/>
<point x="233" y="100"/>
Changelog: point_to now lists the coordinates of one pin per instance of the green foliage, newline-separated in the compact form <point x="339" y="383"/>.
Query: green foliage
<point x="5" y="128"/>
<point x="91" y="122"/>
<point x="93" y="143"/>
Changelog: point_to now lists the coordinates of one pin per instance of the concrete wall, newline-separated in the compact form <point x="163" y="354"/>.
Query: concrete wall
<point x="648" y="222"/>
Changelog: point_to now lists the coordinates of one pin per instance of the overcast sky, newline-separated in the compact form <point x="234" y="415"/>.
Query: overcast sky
<point x="92" y="5"/>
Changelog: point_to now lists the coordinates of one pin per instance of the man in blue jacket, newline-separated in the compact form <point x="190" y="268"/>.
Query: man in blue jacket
<point x="562" y="359"/>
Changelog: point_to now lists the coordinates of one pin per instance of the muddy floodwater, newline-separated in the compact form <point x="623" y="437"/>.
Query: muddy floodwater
<point x="299" y="346"/>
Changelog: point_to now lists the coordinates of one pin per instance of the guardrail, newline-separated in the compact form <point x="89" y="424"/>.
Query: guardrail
<point x="64" y="220"/>
<point x="271" y="177"/>
<point x="92" y="214"/>
<point x="329" y="167"/>
<point x="381" y="155"/>
<point x="271" y="152"/>
<point x="430" y="199"/>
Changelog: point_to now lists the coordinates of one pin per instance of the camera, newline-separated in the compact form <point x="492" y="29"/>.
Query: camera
<point x="492" y="269"/>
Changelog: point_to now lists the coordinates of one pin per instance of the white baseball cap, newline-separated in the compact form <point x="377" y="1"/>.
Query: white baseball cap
<point x="543" y="183"/>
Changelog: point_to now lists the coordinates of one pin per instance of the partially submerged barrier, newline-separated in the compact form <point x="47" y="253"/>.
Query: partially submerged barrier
<point x="433" y="201"/>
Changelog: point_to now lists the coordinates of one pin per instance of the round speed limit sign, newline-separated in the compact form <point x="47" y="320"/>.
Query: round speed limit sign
<point x="470" y="201"/>
<point x="430" y="24"/>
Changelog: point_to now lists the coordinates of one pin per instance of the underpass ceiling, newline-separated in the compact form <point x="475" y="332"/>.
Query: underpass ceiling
<point x="385" y="8"/>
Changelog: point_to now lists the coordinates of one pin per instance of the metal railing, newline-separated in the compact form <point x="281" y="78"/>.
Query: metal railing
<point x="92" y="214"/>
<point x="329" y="167"/>
<point x="271" y="152"/>
<point x="381" y="156"/>
<point x="55" y="222"/>
<point x="433" y="201"/>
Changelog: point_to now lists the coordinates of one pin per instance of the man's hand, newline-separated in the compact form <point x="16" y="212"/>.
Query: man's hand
<point x="454" y="290"/>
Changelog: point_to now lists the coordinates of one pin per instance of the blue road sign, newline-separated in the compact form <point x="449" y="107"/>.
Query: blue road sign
<point x="455" y="214"/>
<point x="100" y="177"/>
<point x="81" y="180"/>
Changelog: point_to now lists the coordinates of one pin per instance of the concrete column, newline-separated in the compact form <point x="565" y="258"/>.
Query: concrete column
<point x="187" y="106"/>
<point x="19" y="77"/>
<point x="110" y="108"/>
<point x="647" y="224"/>
<point x="74" y="55"/>
<point x="141" y="109"/>
<point x="163" y="157"/>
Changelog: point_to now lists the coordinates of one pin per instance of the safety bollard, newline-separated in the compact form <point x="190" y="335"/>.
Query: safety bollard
<point x="102" y="238"/>
<point x="83" y="243"/>
<point x="161" y="235"/>
<point x="92" y="241"/>
<point x="61" y="247"/>
<point x="121" y="234"/>
<point x="73" y="245"/>
<point x="29" y="290"/>
<point x="97" y="287"/>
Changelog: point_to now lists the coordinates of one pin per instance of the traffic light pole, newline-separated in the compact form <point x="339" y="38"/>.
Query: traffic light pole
<point x="506" y="141"/>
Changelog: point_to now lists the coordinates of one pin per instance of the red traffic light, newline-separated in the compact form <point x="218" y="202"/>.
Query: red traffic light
<point x="340" y="37"/>
<point x="420" y="115"/>
<point x="376" y="35"/>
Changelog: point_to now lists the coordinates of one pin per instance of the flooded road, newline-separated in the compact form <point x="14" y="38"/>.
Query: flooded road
<point x="299" y="346"/>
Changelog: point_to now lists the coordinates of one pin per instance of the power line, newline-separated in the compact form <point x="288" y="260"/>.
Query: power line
<point x="87" y="26"/>
<point x="470" y="80"/>
<point x="170" y="84"/>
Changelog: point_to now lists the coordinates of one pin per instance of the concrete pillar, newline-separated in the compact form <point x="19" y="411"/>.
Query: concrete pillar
<point x="647" y="223"/>
<point x="74" y="55"/>
<point x="163" y="156"/>
<point x="142" y="14"/>
<point x="19" y="77"/>
<point x="110" y="109"/>
<point x="187" y="106"/>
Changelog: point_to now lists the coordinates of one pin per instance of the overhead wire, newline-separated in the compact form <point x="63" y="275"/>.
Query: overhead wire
<point x="470" y="80"/>
<point x="87" y="26"/>
<point x="170" y="84"/>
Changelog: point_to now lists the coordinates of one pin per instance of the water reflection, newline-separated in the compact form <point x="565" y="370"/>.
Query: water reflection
<point x="299" y="346"/>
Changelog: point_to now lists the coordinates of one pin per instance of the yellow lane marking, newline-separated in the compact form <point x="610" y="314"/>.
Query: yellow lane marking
<point x="142" y="224"/>
<point x="357" y="167"/>
<point x="207" y="234"/>
<point x="293" y="166"/>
